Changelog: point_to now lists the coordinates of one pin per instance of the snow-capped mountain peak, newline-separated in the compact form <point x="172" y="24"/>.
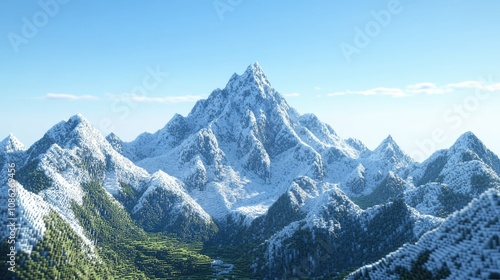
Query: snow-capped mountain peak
<point x="468" y="147"/>
<point x="78" y="118"/>
<point x="76" y="131"/>
<point x="113" y="137"/>
<point x="390" y="150"/>
<point x="77" y="143"/>
<point x="115" y="142"/>
<point x="387" y="143"/>
<point x="248" y="93"/>
<point x="11" y="144"/>
<point x="253" y="76"/>
<point x="74" y="125"/>
<point x="468" y="141"/>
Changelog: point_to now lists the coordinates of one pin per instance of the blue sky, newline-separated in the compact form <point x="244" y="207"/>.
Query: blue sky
<point x="422" y="71"/>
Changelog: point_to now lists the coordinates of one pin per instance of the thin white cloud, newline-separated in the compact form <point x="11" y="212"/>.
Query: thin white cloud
<point x="338" y="93"/>
<point x="477" y="85"/>
<point x="317" y="88"/>
<point x="426" y="88"/>
<point x="422" y="88"/>
<point x="466" y="85"/>
<point x="394" y="92"/>
<point x="71" y="97"/>
<point x="494" y="87"/>
<point x="293" y="94"/>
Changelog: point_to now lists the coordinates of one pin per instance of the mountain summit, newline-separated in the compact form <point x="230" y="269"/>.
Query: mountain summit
<point x="11" y="144"/>
<point x="11" y="151"/>
<point x="244" y="144"/>
<point x="389" y="150"/>
<point x="455" y="176"/>
<point x="248" y="91"/>
<point x="253" y="77"/>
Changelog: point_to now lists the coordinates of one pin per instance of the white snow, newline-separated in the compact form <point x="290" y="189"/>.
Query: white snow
<point x="235" y="154"/>
<point x="11" y="144"/>
<point x="467" y="243"/>
<point x="162" y="180"/>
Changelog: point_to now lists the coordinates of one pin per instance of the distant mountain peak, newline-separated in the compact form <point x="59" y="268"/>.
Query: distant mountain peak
<point x="253" y="77"/>
<point x="77" y="119"/>
<point x="468" y="147"/>
<point x="113" y="136"/>
<point x="468" y="140"/>
<point x="391" y="151"/>
<point x="388" y="143"/>
<point x="357" y="144"/>
<point x="76" y="122"/>
<point x="115" y="142"/>
<point x="11" y="144"/>
<point x="76" y="131"/>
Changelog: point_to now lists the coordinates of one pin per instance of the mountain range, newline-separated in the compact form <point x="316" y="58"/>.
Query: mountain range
<point x="246" y="180"/>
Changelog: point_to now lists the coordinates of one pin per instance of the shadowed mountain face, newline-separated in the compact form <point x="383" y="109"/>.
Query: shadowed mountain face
<point x="465" y="246"/>
<point x="451" y="178"/>
<point x="250" y="177"/>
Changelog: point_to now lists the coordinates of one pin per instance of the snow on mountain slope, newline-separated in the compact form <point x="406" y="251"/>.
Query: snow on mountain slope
<point x="358" y="145"/>
<point x="11" y="152"/>
<point x="29" y="213"/>
<point x="115" y="142"/>
<point x="11" y="144"/>
<point x="29" y="209"/>
<point x="74" y="152"/>
<point x="390" y="153"/>
<point x="238" y="150"/>
<point x="166" y="207"/>
<point x="243" y="156"/>
<point x="87" y="150"/>
<point x="69" y="154"/>
<point x="162" y="180"/>
<point x="454" y="177"/>
<point x="465" y="246"/>
<point x="378" y="176"/>
<point x="336" y="234"/>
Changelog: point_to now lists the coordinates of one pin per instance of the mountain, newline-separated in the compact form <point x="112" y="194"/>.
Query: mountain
<point x="31" y="226"/>
<point x="238" y="150"/>
<point x="70" y="153"/>
<point x="378" y="175"/>
<point x="11" y="144"/>
<point x="246" y="157"/>
<point x="451" y="178"/>
<point x="73" y="161"/>
<point x="11" y="152"/>
<point x="336" y="235"/>
<point x="166" y="207"/>
<point x="75" y="152"/>
<point x="465" y="246"/>
<point x="243" y="180"/>
<point x="115" y="142"/>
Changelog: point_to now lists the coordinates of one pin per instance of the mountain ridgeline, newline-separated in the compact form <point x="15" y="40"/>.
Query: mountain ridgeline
<point x="246" y="187"/>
